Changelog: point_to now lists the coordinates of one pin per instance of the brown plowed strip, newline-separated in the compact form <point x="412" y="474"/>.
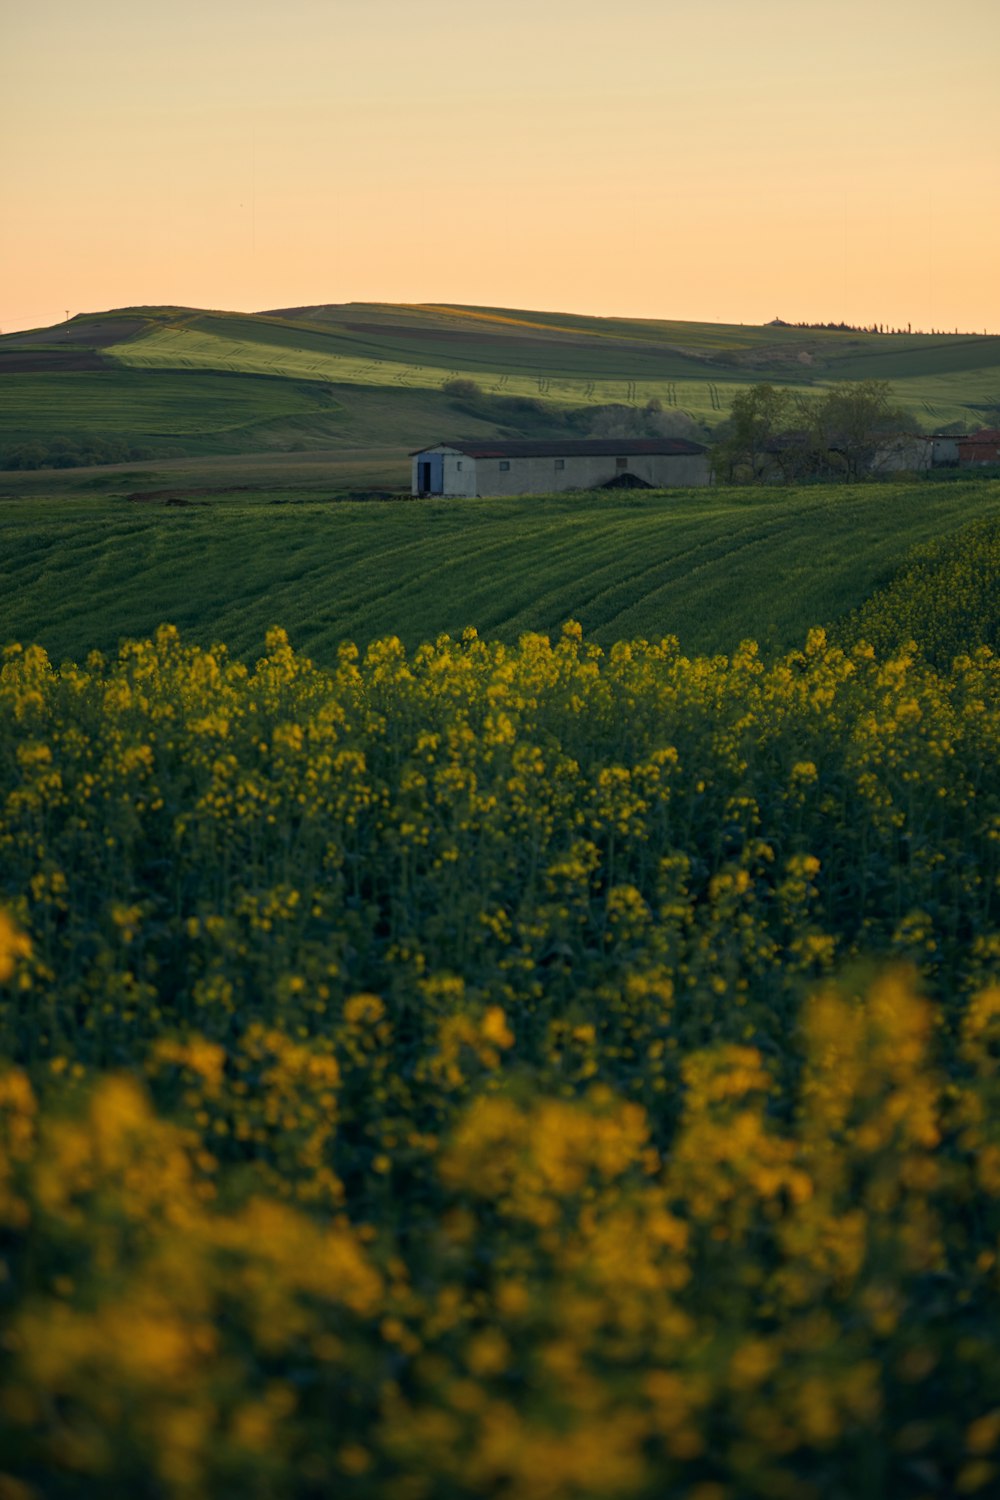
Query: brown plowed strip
<point x="29" y="361"/>
<point x="185" y="497"/>
<point x="89" y="333"/>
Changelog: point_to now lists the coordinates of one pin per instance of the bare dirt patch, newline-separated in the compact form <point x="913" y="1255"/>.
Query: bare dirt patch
<point x="36" y="361"/>
<point x="87" y="333"/>
<point x="187" y="496"/>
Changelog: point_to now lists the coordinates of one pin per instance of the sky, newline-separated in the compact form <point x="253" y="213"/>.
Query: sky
<point x="718" y="160"/>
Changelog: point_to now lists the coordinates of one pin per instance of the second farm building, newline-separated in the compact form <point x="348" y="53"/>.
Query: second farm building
<point x="532" y="468"/>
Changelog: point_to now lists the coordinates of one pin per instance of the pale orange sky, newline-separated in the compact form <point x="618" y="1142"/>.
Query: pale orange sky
<point x="707" y="159"/>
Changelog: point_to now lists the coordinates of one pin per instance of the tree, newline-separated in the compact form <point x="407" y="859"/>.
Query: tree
<point x="649" y="421"/>
<point x="851" y="422"/>
<point x="25" y="456"/>
<point x="464" y="390"/>
<point x="756" y="419"/>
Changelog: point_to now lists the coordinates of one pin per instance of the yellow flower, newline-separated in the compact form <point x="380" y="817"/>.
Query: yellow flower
<point x="494" y="1027"/>
<point x="14" y="945"/>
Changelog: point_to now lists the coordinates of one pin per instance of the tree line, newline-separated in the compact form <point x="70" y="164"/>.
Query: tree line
<point x="774" y="434"/>
<point x="72" y="453"/>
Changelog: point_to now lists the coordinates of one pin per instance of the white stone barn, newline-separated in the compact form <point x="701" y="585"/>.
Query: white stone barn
<point x="540" y="468"/>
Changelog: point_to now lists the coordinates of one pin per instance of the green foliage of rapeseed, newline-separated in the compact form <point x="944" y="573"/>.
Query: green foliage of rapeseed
<point x="946" y="597"/>
<point x="499" y="1070"/>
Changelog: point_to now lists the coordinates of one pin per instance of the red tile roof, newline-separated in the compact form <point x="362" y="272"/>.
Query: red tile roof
<point x="570" y="448"/>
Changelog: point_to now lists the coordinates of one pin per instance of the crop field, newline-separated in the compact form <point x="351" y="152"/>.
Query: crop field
<point x="159" y="407"/>
<point x="532" y="1070"/>
<point x="570" y="373"/>
<point x="381" y="370"/>
<point x="392" y="326"/>
<point x="934" y="378"/>
<point x="945" y="595"/>
<point x="169" y="413"/>
<point x="714" y="567"/>
<point x="274" y="473"/>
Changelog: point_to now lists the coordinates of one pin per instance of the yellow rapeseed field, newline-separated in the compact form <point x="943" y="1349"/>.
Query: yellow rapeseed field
<point x="522" y="1072"/>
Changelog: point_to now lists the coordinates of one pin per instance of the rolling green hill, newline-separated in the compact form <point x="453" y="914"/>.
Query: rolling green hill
<point x="165" y="410"/>
<point x="713" y="567"/>
<point x="575" y="360"/>
<point x="169" y="382"/>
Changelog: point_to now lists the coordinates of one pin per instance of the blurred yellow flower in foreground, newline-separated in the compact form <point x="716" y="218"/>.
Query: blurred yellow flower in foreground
<point x="14" y="944"/>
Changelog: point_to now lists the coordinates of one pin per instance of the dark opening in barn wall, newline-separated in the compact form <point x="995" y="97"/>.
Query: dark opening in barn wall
<point x="626" y="481"/>
<point x="431" y="475"/>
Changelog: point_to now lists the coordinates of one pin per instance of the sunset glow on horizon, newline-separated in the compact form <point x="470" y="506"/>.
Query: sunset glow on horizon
<point x="655" y="158"/>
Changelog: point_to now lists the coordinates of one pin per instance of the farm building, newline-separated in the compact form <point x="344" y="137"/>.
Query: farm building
<point x="981" y="447"/>
<point x="539" y="468"/>
<point x="941" y="450"/>
<point x="911" y="452"/>
<point x="944" y="450"/>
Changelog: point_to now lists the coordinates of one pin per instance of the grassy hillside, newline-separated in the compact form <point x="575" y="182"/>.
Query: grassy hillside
<point x="175" y="381"/>
<point x="164" y="410"/>
<point x="697" y="367"/>
<point x="167" y="413"/>
<point x="712" y="567"/>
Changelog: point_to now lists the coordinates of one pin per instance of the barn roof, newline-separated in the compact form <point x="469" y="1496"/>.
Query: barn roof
<point x="569" y="448"/>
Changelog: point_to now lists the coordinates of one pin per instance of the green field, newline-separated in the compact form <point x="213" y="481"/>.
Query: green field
<point x="713" y="567"/>
<point x="184" y="382"/>
<point x="696" y="367"/>
<point x="166" y="409"/>
<point x="171" y="413"/>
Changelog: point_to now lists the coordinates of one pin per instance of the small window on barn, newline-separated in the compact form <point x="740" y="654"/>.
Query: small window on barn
<point x="560" y="463"/>
<point x="459" y="465"/>
<point x="504" y="465"/>
<point x="621" y="463"/>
